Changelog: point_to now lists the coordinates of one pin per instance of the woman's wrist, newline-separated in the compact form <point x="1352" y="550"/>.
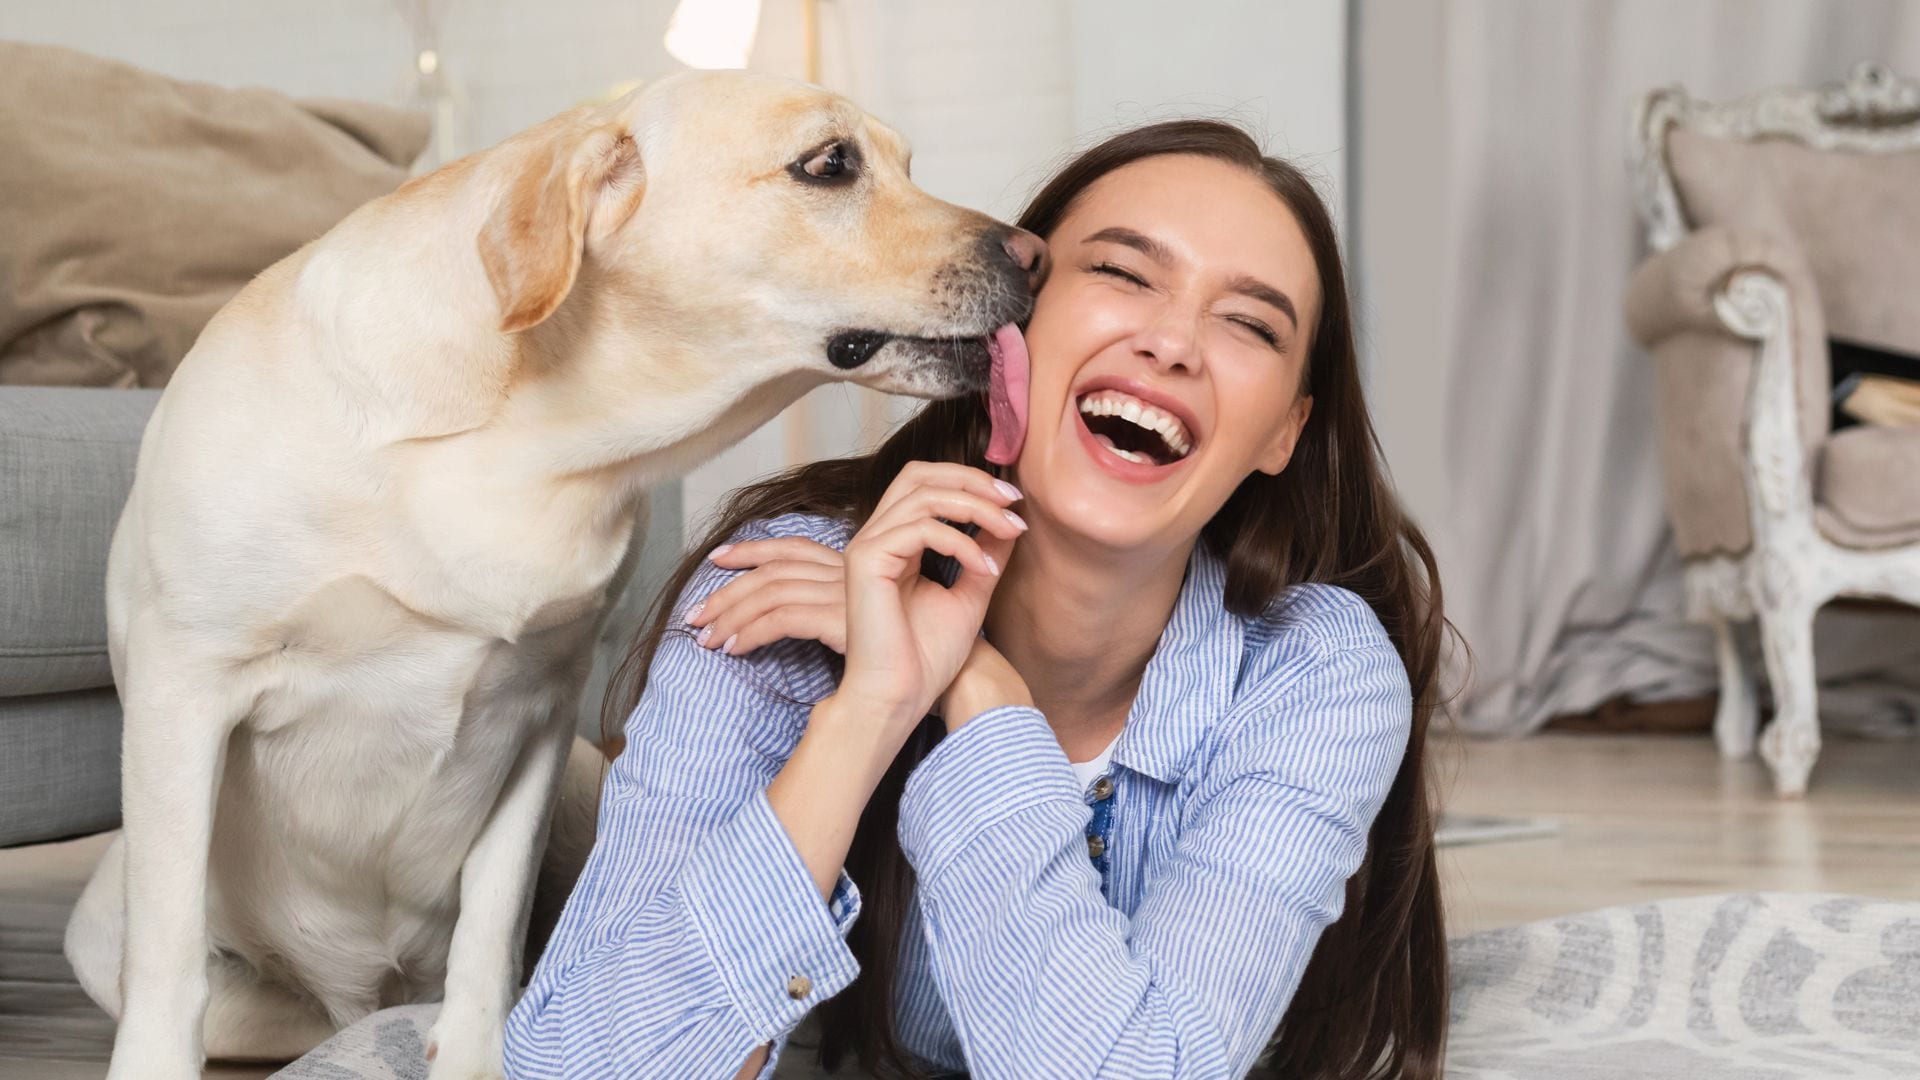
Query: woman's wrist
<point x="985" y="682"/>
<point x="863" y="736"/>
<point x="823" y="788"/>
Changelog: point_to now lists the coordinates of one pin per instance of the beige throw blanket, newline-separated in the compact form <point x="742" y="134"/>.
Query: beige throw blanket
<point x="132" y="206"/>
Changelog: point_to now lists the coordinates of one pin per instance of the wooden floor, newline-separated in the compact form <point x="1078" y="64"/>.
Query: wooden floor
<point x="1647" y="817"/>
<point x="1641" y="818"/>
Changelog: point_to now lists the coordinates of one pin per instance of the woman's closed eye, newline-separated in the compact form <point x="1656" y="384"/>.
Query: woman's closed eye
<point x="1115" y="270"/>
<point x="1258" y="329"/>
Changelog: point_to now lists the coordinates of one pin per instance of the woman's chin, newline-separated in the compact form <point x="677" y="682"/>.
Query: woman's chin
<point x="1109" y="520"/>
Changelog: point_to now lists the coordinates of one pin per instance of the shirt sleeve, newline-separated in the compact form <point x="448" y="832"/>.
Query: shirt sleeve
<point x="1194" y="984"/>
<point x="695" y="934"/>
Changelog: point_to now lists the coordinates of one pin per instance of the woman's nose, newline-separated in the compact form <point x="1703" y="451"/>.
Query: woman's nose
<point x="1169" y="342"/>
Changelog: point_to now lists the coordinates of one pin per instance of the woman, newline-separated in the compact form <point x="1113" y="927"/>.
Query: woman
<point x="1208" y="600"/>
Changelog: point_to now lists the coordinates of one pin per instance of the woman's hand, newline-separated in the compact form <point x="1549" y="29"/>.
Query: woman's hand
<point x="986" y="681"/>
<point x="796" y="588"/>
<point x="907" y="636"/>
<point x="793" y="588"/>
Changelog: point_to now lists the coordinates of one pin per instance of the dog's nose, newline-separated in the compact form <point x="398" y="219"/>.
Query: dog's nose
<point x="1028" y="252"/>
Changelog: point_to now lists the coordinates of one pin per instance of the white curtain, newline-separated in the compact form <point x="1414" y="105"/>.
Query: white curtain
<point x="1519" y="414"/>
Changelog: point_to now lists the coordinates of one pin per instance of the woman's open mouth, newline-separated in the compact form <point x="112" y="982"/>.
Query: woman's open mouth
<point x="1132" y="438"/>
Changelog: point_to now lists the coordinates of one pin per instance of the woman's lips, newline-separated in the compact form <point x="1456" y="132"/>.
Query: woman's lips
<point x="1133" y="472"/>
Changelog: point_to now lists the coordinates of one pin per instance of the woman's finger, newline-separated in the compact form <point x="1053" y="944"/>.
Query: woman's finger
<point x="751" y="553"/>
<point x="953" y="505"/>
<point x="824" y="623"/>
<point x="758" y="579"/>
<point x="979" y="587"/>
<point x="919" y="474"/>
<point x="755" y="605"/>
<point x="903" y="544"/>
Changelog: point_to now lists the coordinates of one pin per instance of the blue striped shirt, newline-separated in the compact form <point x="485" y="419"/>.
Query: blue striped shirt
<point x="1247" y="774"/>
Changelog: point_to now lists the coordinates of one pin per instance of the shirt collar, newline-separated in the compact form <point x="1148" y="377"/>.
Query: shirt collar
<point x="1189" y="679"/>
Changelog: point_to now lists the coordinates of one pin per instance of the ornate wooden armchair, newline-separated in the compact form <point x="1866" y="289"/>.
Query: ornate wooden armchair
<point x="1777" y="222"/>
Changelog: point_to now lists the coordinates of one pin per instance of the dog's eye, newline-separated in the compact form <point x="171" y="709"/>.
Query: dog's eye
<point x="834" y="163"/>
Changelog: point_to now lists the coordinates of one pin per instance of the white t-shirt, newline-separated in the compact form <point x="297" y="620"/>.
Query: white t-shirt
<point x="1088" y="771"/>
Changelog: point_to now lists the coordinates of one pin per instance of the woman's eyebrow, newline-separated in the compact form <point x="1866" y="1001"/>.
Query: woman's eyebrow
<point x="1140" y="242"/>
<point x="1259" y="290"/>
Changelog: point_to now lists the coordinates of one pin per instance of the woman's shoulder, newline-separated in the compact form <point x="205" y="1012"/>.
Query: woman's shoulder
<point x="1320" y="617"/>
<point x="794" y="671"/>
<point x="1318" y="667"/>
<point x="1317" y="639"/>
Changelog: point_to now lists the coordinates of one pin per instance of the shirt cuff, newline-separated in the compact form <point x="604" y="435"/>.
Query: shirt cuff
<point x="753" y="901"/>
<point x="999" y="763"/>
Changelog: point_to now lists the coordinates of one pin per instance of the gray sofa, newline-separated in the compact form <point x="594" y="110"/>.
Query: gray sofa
<point x="66" y="462"/>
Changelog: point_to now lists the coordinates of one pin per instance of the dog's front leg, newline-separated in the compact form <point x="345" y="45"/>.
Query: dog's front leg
<point x="496" y="890"/>
<point x="173" y="746"/>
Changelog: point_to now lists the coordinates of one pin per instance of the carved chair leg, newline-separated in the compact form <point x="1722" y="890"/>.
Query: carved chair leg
<point x="1792" y="741"/>
<point x="1738" y="716"/>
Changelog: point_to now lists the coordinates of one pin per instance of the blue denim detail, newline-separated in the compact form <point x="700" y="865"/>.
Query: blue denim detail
<point x="1101" y="827"/>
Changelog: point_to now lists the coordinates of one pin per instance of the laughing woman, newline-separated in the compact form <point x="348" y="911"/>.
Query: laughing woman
<point x="1140" y="791"/>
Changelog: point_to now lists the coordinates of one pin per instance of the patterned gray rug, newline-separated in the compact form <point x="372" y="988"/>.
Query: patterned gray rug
<point x="1754" y="986"/>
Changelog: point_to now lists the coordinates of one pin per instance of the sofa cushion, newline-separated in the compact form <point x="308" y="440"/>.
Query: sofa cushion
<point x="66" y="464"/>
<point x="137" y="205"/>
<point x="59" y="765"/>
<point x="1868" y="490"/>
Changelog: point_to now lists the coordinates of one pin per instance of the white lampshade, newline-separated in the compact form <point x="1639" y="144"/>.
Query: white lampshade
<point x="713" y="33"/>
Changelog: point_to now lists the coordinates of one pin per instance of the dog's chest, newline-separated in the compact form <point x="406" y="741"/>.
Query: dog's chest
<point x="382" y="740"/>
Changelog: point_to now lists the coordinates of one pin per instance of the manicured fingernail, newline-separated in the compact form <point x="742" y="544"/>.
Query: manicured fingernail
<point x="705" y="634"/>
<point x="719" y="551"/>
<point x="991" y="565"/>
<point x="727" y="645"/>
<point x="694" y="611"/>
<point x="1018" y="522"/>
<point x="1007" y="489"/>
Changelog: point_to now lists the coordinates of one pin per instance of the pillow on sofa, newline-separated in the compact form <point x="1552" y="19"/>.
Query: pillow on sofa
<point x="136" y="205"/>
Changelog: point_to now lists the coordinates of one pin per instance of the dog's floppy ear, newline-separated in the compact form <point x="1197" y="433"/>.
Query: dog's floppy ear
<point x="532" y="241"/>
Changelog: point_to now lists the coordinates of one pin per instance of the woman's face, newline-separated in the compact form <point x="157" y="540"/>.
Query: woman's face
<point x="1167" y="347"/>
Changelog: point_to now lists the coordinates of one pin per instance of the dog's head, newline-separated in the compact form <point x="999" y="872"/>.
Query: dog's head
<point x="770" y="227"/>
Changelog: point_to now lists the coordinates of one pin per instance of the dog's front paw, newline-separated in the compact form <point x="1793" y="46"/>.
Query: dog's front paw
<point x="465" y="1048"/>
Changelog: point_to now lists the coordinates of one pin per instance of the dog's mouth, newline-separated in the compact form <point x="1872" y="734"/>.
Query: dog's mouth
<point x="987" y="303"/>
<point x="927" y="366"/>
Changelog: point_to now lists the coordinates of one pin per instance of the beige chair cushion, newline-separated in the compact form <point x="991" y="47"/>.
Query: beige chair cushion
<point x="1854" y="215"/>
<point x="136" y="205"/>
<point x="1868" y="487"/>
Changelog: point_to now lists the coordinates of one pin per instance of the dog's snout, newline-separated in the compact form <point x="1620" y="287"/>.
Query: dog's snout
<point x="1028" y="252"/>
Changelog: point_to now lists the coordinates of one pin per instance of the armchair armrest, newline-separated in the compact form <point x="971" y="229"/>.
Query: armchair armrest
<point x="1673" y="291"/>
<point x="1705" y="371"/>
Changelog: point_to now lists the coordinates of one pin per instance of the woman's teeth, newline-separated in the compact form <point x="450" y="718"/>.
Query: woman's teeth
<point x="1131" y="409"/>
<point x="1125" y="455"/>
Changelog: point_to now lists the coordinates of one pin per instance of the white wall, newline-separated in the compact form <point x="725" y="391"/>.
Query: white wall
<point x="1276" y="66"/>
<point x="509" y="63"/>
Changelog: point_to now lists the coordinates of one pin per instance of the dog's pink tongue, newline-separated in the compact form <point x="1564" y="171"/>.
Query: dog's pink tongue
<point x="1007" y="394"/>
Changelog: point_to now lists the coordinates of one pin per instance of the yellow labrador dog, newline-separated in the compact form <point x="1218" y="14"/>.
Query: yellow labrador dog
<point x="378" y="513"/>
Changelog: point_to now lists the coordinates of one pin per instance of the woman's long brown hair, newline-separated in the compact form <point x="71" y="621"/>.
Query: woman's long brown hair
<point x="1373" y="999"/>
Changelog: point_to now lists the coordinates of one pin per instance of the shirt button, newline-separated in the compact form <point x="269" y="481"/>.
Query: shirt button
<point x="799" y="986"/>
<point x="1103" y="789"/>
<point x="1096" y="847"/>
